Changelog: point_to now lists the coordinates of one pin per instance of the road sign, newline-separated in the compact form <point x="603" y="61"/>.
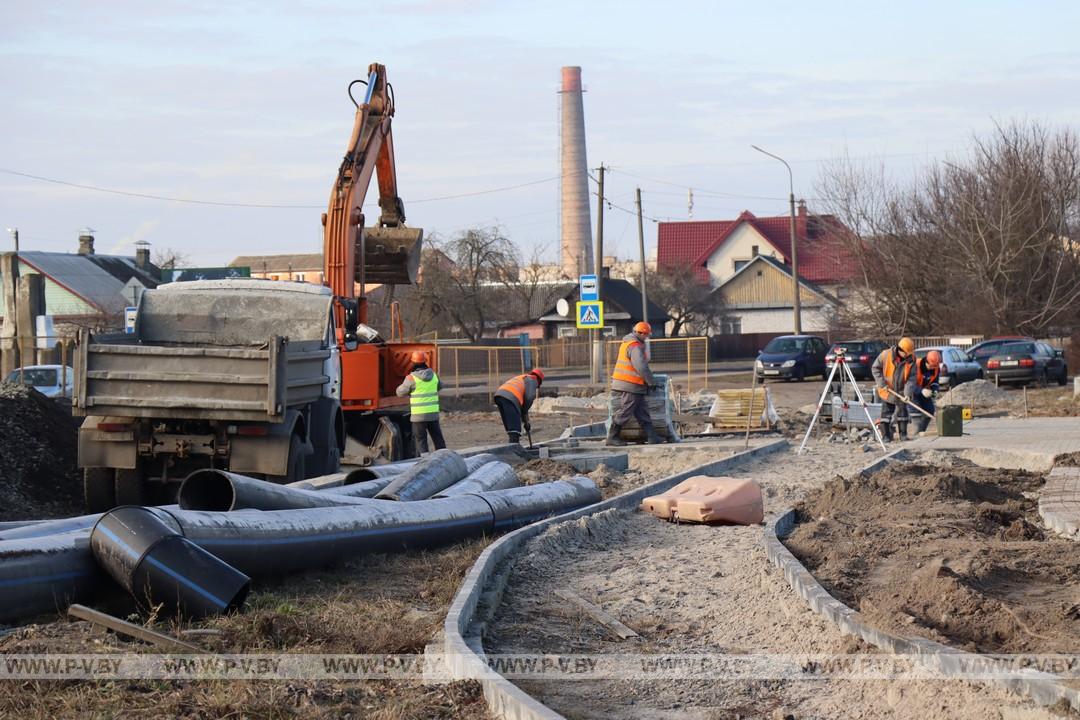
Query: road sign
<point x="590" y="315"/>
<point x="129" y="319"/>
<point x="588" y="288"/>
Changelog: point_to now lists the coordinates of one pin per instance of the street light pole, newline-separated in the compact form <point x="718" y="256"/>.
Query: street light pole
<point x="794" y="251"/>
<point x="15" y="304"/>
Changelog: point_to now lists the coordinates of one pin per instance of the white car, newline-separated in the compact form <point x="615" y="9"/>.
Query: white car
<point x="50" y="380"/>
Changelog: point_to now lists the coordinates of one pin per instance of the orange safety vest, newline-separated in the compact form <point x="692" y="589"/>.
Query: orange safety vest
<point x="889" y="368"/>
<point x="516" y="387"/>
<point x="928" y="379"/>
<point x="624" y="369"/>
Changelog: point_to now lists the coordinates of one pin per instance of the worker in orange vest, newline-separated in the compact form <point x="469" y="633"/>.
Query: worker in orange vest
<point x="630" y="383"/>
<point x="927" y="382"/>
<point x="894" y="369"/>
<point x="514" y="398"/>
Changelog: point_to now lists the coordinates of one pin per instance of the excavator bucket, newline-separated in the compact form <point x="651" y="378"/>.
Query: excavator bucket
<point x="391" y="255"/>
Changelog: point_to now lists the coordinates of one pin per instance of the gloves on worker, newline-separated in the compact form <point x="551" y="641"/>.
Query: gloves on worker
<point x="528" y="426"/>
<point x="927" y="392"/>
<point x="883" y="393"/>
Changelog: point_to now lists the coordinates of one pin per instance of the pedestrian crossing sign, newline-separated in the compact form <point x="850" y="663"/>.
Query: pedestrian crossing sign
<point x="590" y="315"/>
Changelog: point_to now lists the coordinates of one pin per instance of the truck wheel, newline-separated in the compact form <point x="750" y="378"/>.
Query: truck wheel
<point x="98" y="489"/>
<point x="130" y="488"/>
<point x="296" y="467"/>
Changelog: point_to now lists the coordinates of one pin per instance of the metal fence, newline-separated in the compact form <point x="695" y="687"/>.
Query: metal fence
<point x="482" y="368"/>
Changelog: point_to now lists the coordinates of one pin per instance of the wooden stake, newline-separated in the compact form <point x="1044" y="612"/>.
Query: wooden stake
<point x="132" y="630"/>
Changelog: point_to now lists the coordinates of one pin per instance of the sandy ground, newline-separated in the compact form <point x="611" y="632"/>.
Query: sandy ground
<point x="694" y="589"/>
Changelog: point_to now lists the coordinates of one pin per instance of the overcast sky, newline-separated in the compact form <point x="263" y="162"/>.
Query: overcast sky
<point x="245" y="103"/>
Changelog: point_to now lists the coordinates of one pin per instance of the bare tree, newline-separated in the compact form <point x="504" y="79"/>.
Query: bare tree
<point x="691" y="302"/>
<point x="169" y="258"/>
<point x="983" y="244"/>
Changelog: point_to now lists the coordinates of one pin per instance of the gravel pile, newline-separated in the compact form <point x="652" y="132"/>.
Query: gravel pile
<point x="38" y="456"/>
<point x="546" y="404"/>
<point x="977" y="392"/>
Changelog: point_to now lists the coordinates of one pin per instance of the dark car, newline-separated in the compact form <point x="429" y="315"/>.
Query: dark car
<point x="1026" y="362"/>
<point x="792" y="357"/>
<point x="981" y="352"/>
<point x="956" y="365"/>
<point x="859" y="355"/>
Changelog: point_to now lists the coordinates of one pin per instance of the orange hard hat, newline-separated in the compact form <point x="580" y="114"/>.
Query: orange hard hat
<point x="538" y="374"/>
<point x="418" y="356"/>
<point x="643" y="328"/>
<point x="906" y="344"/>
<point x="933" y="359"/>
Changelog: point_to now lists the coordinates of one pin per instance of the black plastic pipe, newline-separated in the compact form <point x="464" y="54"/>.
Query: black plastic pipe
<point x="491" y="476"/>
<point x="428" y="476"/>
<point x="221" y="490"/>
<point x="158" y="566"/>
<point x="41" y="574"/>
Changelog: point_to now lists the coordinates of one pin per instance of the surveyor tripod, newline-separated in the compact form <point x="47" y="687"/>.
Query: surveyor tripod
<point x="840" y="365"/>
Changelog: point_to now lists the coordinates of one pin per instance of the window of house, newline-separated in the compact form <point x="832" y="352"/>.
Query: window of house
<point x="740" y="264"/>
<point x="731" y="326"/>
<point x="300" y="277"/>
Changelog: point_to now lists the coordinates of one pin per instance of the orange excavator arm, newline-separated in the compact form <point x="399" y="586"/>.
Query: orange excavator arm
<point x="352" y="254"/>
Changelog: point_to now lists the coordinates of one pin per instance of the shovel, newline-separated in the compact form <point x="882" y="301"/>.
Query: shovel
<point x="909" y="403"/>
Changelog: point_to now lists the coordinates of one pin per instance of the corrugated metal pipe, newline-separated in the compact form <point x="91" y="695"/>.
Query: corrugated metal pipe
<point x="430" y="475"/>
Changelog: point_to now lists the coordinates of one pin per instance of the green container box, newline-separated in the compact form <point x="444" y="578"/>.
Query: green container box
<point x="950" y="421"/>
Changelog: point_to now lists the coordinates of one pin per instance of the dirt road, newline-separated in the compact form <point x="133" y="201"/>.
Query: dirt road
<point x="695" y="589"/>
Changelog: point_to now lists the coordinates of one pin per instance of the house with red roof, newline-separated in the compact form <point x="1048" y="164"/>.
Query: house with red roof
<point x="760" y="301"/>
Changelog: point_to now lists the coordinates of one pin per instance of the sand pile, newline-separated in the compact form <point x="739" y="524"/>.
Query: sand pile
<point x="954" y="554"/>
<point x="977" y="392"/>
<point x="38" y="455"/>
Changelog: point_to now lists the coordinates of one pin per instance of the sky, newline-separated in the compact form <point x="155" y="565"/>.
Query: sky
<point x="225" y="106"/>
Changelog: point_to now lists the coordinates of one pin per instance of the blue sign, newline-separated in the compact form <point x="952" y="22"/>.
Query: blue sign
<point x="588" y="287"/>
<point x="590" y="315"/>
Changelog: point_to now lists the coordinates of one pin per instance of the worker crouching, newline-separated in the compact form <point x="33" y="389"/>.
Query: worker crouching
<point x="894" y="375"/>
<point x="630" y="383"/>
<point x="927" y="380"/>
<point x="422" y="387"/>
<point x="514" y="398"/>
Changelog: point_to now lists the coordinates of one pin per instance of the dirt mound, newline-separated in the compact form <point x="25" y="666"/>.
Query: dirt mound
<point x="975" y="393"/>
<point x="544" y="470"/>
<point x="955" y="554"/>
<point x="38" y="456"/>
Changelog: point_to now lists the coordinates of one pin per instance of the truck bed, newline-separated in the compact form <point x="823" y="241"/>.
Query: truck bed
<point x="131" y="379"/>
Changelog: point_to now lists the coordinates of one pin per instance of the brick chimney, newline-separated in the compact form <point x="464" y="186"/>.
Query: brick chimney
<point x="86" y="241"/>
<point x="142" y="255"/>
<point x="801" y="222"/>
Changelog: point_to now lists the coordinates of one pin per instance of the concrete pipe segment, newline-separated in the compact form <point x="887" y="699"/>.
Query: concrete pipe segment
<point x="492" y="476"/>
<point x="157" y="565"/>
<point x="430" y="475"/>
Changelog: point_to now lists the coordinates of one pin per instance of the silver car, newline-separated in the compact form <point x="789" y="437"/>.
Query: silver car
<point x="52" y="381"/>
<point x="957" y="365"/>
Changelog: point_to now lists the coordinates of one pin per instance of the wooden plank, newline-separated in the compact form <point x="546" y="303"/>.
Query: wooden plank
<point x="132" y="630"/>
<point x="598" y="614"/>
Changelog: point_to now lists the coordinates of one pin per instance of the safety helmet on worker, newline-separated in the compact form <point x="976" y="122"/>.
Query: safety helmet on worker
<point x="538" y="374"/>
<point x="933" y="359"/>
<point x="419" y="357"/>
<point x="906" y="345"/>
<point x="643" y="328"/>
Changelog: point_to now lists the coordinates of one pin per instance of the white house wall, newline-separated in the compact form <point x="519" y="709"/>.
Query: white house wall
<point x="779" y="320"/>
<point x="738" y="246"/>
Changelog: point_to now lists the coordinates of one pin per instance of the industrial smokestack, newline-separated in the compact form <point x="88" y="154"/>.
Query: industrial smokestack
<point x="576" y="218"/>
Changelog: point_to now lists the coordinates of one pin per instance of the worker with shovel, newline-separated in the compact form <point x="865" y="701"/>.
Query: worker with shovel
<point x="927" y="379"/>
<point x="894" y="375"/>
<point x="422" y="387"/>
<point x="630" y="383"/>
<point x="514" y="398"/>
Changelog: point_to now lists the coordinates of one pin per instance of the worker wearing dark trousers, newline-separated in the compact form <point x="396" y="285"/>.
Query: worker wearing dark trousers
<point x="894" y="369"/>
<point x="422" y="387"/>
<point x="514" y="398"/>
<point x="927" y="377"/>
<point x="630" y="383"/>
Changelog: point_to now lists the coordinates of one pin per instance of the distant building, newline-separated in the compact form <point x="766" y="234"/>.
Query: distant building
<point x="757" y="299"/>
<point x="298" y="267"/>
<point x="622" y="309"/>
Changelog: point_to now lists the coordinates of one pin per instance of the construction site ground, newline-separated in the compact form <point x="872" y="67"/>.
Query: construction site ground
<point x="684" y="588"/>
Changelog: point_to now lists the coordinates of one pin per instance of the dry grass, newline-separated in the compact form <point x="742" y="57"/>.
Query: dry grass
<point x="376" y="604"/>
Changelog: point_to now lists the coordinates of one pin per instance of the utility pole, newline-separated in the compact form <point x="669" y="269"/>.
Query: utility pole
<point x="598" y="266"/>
<point x="15" y="304"/>
<point x="796" y="302"/>
<point x="641" y="255"/>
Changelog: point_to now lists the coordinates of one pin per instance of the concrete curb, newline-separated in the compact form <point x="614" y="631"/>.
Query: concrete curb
<point x="1043" y="688"/>
<point x="462" y="662"/>
<point x="1059" y="501"/>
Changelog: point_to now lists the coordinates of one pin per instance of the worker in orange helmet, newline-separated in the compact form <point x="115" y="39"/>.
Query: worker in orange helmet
<point x="894" y="375"/>
<point x="631" y="381"/>
<point x="927" y="383"/>
<point x="422" y="387"/>
<point x="514" y="398"/>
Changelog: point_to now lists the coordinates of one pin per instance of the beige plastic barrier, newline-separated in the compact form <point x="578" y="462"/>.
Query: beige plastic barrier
<point x="705" y="499"/>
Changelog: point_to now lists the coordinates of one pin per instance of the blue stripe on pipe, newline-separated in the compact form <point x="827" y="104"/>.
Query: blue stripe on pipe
<point x="123" y="545"/>
<point x="186" y="581"/>
<point x="225" y="542"/>
<point x="43" y="578"/>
